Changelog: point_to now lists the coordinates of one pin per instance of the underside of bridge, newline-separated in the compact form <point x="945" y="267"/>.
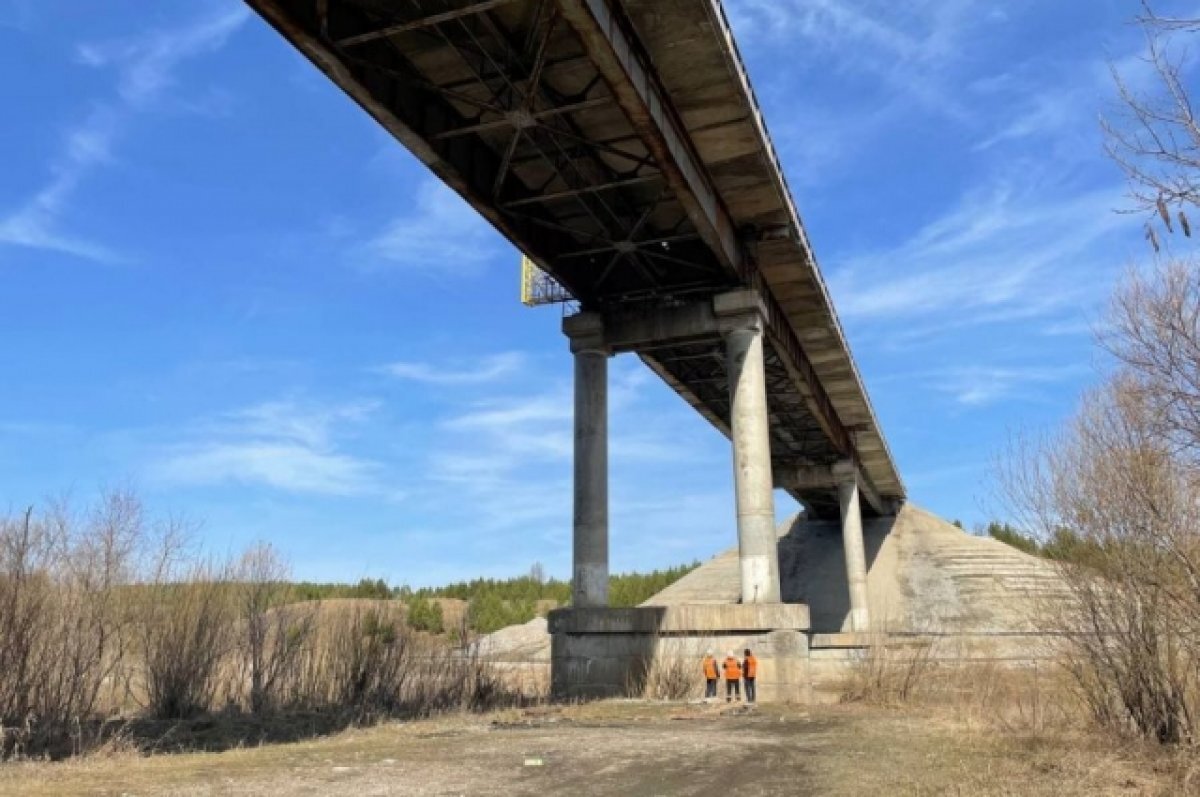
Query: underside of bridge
<point x="619" y="145"/>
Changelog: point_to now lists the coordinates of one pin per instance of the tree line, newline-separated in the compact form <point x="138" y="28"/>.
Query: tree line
<point x="492" y="603"/>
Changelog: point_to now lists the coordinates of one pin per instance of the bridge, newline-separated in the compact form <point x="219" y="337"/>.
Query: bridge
<point x="619" y="145"/>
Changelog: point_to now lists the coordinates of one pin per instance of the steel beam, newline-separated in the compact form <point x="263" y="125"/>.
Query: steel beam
<point x="423" y="22"/>
<point x="499" y="124"/>
<point x="556" y="195"/>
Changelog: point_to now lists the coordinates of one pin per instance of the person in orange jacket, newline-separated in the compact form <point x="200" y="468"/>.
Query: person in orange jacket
<point x="710" y="675"/>
<point x="733" y="678"/>
<point x="749" y="673"/>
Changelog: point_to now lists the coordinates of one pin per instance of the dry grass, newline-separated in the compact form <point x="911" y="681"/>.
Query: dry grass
<point x="665" y="677"/>
<point x="632" y="747"/>
<point x="1030" y="716"/>
<point x="1026" y="697"/>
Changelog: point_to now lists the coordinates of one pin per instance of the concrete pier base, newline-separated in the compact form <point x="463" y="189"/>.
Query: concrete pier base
<point x="599" y="653"/>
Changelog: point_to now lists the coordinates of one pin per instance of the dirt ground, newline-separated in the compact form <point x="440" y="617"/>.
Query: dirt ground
<point x="627" y="748"/>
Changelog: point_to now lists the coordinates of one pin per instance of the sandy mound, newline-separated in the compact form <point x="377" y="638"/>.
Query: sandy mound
<point x="924" y="575"/>
<point x="527" y="642"/>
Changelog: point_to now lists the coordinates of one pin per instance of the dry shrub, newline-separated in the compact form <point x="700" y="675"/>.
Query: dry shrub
<point x="108" y="613"/>
<point x="1022" y="697"/>
<point x="183" y="633"/>
<point x="889" y="672"/>
<point x="366" y="661"/>
<point x="665" y="674"/>
<point x="272" y="633"/>
<point x="1122" y="481"/>
<point x="63" y="619"/>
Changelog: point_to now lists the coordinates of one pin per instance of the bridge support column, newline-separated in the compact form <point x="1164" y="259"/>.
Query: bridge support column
<point x="846" y="475"/>
<point x="740" y="318"/>
<point x="590" y="519"/>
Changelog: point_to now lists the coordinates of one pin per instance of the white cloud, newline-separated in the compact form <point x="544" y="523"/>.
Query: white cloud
<point x="979" y="385"/>
<point x="512" y="431"/>
<point x="976" y="386"/>
<point x="1051" y="102"/>
<point x="281" y="444"/>
<point x="145" y="68"/>
<point x="284" y="466"/>
<point x="35" y="223"/>
<point x="911" y="46"/>
<point x="487" y="369"/>
<point x="1003" y="253"/>
<point x="508" y="457"/>
<point x="441" y="235"/>
<point x="146" y="63"/>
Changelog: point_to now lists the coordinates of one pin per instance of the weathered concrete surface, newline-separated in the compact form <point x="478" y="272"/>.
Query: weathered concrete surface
<point x="590" y="520"/>
<point x="681" y="618"/>
<point x="852" y="548"/>
<point x="599" y="665"/>
<point x="605" y="652"/>
<point x="741" y="318"/>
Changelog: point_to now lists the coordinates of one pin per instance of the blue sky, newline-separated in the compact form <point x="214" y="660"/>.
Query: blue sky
<point x="225" y="285"/>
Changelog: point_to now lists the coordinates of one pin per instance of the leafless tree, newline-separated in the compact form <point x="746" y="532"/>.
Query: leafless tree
<point x="1124" y="478"/>
<point x="1131" y="622"/>
<point x="1154" y="334"/>
<point x="1154" y="135"/>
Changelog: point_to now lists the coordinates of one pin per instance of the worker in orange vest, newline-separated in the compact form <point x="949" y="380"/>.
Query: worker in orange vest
<point x="733" y="678"/>
<point x="710" y="675"/>
<point x="749" y="673"/>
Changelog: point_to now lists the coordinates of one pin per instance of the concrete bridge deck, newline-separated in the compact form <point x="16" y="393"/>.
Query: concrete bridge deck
<point x="619" y="145"/>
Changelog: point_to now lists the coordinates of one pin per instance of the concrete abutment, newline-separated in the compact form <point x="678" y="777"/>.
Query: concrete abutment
<point x="604" y="653"/>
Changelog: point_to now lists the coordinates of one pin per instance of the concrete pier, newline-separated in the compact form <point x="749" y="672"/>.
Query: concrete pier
<point x="852" y="539"/>
<point x="590" y="523"/>
<point x="741" y="322"/>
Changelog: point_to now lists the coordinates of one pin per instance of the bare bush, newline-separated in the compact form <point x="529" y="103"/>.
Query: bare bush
<point x="1123" y="478"/>
<point x="665" y="674"/>
<point x="360" y="660"/>
<point x="105" y="615"/>
<point x="63" y="624"/>
<point x="272" y="631"/>
<point x="368" y="662"/>
<point x="183" y="623"/>
<point x="889" y="672"/>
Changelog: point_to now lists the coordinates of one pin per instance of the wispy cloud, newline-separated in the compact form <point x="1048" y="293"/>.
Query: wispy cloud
<point x="1006" y="252"/>
<point x="910" y="46"/>
<point x="440" y="234"/>
<point x="145" y="67"/>
<point x="508" y="456"/>
<point x="146" y="63"/>
<point x="1055" y="103"/>
<point x="487" y="369"/>
<point x="16" y="14"/>
<point x="977" y="386"/>
<point x="282" y="445"/>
